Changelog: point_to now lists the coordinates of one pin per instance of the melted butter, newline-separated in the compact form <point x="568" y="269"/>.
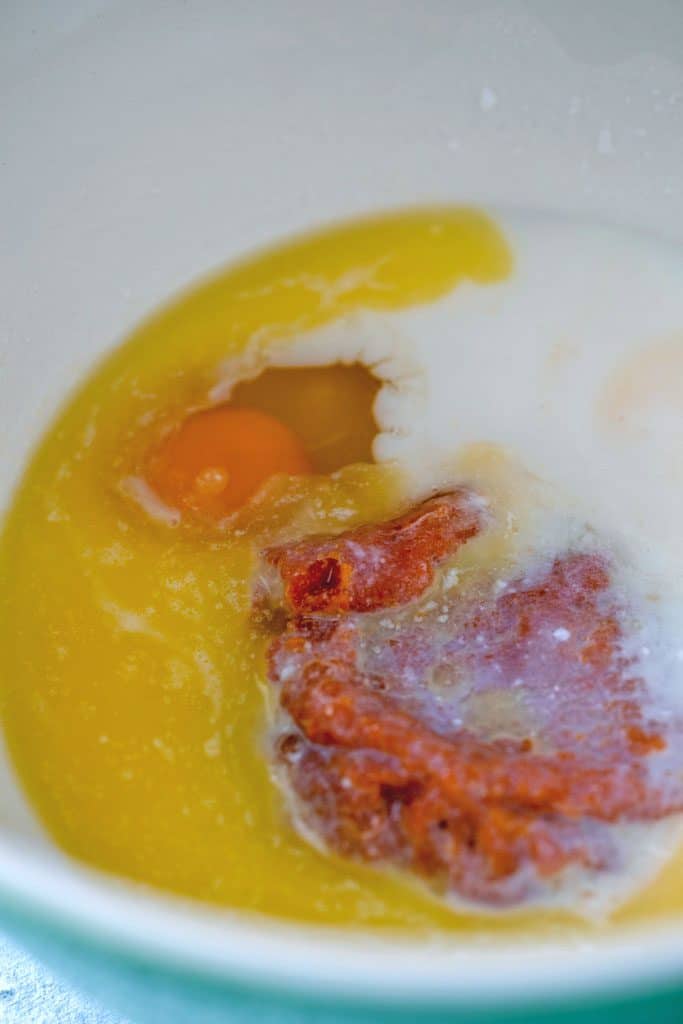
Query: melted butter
<point x="133" y="687"/>
<point x="133" y="692"/>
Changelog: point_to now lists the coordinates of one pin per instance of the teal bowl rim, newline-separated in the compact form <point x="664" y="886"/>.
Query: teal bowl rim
<point x="253" y="952"/>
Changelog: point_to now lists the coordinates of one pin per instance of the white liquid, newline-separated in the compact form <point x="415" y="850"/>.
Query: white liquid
<point x="573" y="367"/>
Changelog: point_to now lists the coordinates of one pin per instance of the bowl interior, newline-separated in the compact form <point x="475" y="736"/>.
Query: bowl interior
<point x="151" y="143"/>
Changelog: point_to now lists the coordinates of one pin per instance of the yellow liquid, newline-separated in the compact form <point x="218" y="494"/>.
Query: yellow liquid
<point x="132" y="686"/>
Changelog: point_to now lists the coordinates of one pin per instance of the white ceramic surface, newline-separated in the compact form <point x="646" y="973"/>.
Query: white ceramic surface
<point x="142" y="144"/>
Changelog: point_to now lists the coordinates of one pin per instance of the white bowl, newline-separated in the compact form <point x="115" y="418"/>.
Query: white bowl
<point x="145" y="144"/>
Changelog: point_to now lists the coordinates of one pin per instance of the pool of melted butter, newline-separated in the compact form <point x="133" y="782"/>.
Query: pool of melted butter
<point x="133" y="690"/>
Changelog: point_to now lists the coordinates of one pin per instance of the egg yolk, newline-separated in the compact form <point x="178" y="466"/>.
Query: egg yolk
<point x="218" y="458"/>
<point x="330" y="408"/>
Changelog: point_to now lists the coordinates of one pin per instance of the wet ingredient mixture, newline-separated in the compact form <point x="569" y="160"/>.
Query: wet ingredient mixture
<point x="382" y="741"/>
<point x="333" y="594"/>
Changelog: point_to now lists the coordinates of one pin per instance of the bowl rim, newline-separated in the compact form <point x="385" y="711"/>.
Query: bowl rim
<point x="250" y="950"/>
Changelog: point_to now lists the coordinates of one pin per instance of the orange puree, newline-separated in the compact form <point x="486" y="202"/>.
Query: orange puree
<point x="385" y="769"/>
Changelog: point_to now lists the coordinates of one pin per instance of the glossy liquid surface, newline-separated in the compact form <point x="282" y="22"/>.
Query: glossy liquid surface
<point x="132" y="682"/>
